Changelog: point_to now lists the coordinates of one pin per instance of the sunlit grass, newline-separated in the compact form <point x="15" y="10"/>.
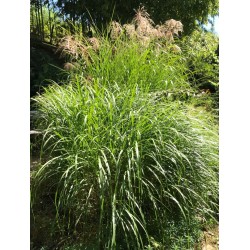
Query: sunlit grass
<point x="119" y="162"/>
<point x="125" y="161"/>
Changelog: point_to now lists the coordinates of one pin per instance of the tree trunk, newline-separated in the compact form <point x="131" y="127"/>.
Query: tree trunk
<point x="50" y="26"/>
<point x="32" y="19"/>
<point x="51" y="34"/>
<point x="42" y="24"/>
<point x="38" y="21"/>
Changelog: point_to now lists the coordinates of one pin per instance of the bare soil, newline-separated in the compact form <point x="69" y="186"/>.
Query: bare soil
<point x="210" y="239"/>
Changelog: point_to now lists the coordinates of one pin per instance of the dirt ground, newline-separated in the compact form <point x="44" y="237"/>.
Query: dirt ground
<point x="211" y="239"/>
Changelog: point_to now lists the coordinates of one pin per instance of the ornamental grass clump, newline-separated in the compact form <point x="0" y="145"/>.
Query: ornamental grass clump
<point x="124" y="63"/>
<point x="131" y="64"/>
<point x="123" y="164"/>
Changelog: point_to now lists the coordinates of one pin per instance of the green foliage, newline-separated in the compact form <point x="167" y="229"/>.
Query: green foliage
<point x="47" y="17"/>
<point x="47" y="24"/>
<point x="131" y="63"/>
<point x="125" y="163"/>
<point x="178" y="235"/>
<point x="102" y="11"/>
<point x="199" y="52"/>
<point x="120" y="161"/>
<point x="43" y="68"/>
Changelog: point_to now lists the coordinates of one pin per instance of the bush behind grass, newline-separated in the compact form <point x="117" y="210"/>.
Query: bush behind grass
<point x="199" y="49"/>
